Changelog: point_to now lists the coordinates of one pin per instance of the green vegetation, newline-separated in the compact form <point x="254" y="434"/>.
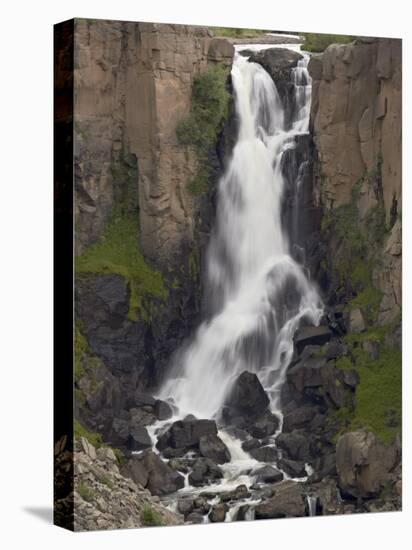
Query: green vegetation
<point x="201" y="128"/>
<point x="92" y="437"/>
<point x="86" y="492"/>
<point x="95" y="439"/>
<point x="317" y="43"/>
<point x="118" y="253"/>
<point x="150" y="517"/>
<point x="379" y="394"/>
<point x="230" y="32"/>
<point x="81" y="347"/>
<point x="106" y="481"/>
<point x="358" y="247"/>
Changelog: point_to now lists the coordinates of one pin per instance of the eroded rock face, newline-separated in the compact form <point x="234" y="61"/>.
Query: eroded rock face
<point x="154" y="474"/>
<point x="356" y="121"/>
<point x="363" y="463"/>
<point x="288" y="501"/>
<point x="106" y="499"/>
<point x="133" y="84"/>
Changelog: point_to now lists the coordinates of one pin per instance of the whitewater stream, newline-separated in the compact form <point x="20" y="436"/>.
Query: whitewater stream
<point x="251" y="274"/>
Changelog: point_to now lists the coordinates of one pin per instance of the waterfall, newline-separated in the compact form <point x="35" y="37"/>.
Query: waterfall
<point x="257" y="293"/>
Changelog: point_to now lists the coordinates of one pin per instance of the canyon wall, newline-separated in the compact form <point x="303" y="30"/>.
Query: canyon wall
<point x="356" y="122"/>
<point x="133" y="84"/>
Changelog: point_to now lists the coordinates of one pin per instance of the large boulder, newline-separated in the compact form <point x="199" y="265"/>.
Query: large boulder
<point x="267" y="474"/>
<point x="247" y="397"/>
<point x="279" y="62"/>
<point x="218" y="513"/>
<point x="264" y="454"/>
<point x="295" y="445"/>
<point x="288" y="501"/>
<point x="293" y="468"/>
<point x="299" y="418"/>
<point x="363" y="463"/>
<point x="264" y="426"/>
<point x="211" y="446"/>
<point x="185" y="434"/>
<point x="204" y="471"/>
<point x="138" y="439"/>
<point x="311" y="336"/>
<point x="151" y="472"/>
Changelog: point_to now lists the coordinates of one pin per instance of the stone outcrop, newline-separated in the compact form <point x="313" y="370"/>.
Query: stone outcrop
<point x="356" y="120"/>
<point x="133" y="84"/>
<point x="105" y="499"/>
<point x="363" y="464"/>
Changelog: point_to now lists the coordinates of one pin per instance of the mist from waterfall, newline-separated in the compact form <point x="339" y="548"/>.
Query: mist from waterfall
<point x="257" y="293"/>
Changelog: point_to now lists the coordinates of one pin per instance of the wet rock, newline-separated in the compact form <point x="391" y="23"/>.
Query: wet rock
<point x="293" y="468"/>
<point x="185" y="506"/>
<point x="264" y="454"/>
<point x="311" y="336"/>
<point x="264" y="426"/>
<point x="237" y="494"/>
<point x="141" y="399"/>
<point x="250" y="444"/>
<point x="151" y="472"/>
<point x="218" y="513"/>
<point x="201" y="505"/>
<point x="138" y="439"/>
<point x="279" y="62"/>
<point x="247" y="398"/>
<point x="194" y="517"/>
<point x="288" y="501"/>
<point x="323" y="467"/>
<point x="186" y="433"/>
<point x="169" y="452"/>
<point x="363" y="463"/>
<point x="181" y="464"/>
<point x="162" y="410"/>
<point x="211" y="446"/>
<point x="204" y="472"/>
<point x="299" y="418"/>
<point x="267" y="474"/>
<point x="295" y="445"/>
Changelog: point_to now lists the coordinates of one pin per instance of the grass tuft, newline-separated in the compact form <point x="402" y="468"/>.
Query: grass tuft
<point x="118" y="253"/>
<point x="150" y="517"/>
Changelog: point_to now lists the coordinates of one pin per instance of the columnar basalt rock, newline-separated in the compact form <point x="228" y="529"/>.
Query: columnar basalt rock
<point x="133" y="84"/>
<point x="356" y="122"/>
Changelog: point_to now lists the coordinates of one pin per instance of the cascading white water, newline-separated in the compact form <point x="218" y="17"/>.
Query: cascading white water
<point x="249" y="268"/>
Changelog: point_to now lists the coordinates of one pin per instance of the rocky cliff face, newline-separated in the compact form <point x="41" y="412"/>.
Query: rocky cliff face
<point x="133" y="84"/>
<point x="356" y="123"/>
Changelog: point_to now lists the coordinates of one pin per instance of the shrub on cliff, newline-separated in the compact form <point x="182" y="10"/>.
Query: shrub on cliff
<point x="319" y="42"/>
<point x="201" y="128"/>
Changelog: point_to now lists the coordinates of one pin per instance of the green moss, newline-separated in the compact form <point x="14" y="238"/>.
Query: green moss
<point x="379" y="393"/>
<point x="118" y="253"/>
<point x="94" y="438"/>
<point x="358" y="248"/>
<point x="86" y="492"/>
<point x="230" y="32"/>
<point x="150" y="517"/>
<point x="81" y="347"/>
<point x="319" y="42"/>
<point x="201" y="128"/>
